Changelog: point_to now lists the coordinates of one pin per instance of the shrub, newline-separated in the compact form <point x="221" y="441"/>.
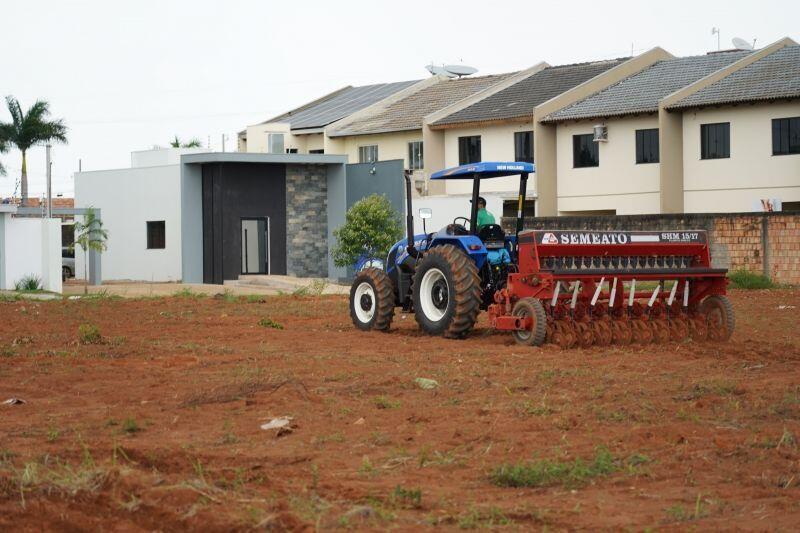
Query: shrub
<point x="744" y="279"/>
<point x="29" y="283"/>
<point x="371" y="227"/>
<point x="89" y="334"/>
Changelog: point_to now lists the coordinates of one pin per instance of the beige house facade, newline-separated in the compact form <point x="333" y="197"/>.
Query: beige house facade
<point x="705" y="125"/>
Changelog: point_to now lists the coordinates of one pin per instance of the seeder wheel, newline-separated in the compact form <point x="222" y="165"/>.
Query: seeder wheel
<point x="720" y="320"/>
<point x="531" y="307"/>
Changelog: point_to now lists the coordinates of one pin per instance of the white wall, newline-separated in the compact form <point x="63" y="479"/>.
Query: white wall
<point x="162" y="156"/>
<point x="497" y="144"/>
<point x="31" y="246"/>
<point x="446" y="208"/>
<point x="618" y="183"/>
<point x="751" y="173"/>
<point x="127" y="199"/>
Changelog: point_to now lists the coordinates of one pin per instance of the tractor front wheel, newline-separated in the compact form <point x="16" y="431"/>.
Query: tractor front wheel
<point x="372" y="300"/>
<point x="447" y="292"/>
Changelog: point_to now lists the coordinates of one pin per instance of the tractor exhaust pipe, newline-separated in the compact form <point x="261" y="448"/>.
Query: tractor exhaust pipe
<point x="412" y="250"/>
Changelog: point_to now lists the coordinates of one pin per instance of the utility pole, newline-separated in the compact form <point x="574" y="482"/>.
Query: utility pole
<point x="49" y="183"/>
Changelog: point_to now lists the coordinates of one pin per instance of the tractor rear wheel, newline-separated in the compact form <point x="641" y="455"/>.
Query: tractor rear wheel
<point x="447" y="292"/>
<point x="531" y="307"/>
<point x="718" y="312"/>
<point x="372" y="300"/>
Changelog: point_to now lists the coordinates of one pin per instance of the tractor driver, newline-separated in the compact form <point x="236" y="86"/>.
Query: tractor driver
<point x="484" y="216"/>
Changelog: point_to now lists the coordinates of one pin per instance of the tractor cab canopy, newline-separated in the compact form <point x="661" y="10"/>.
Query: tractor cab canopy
<point x="489" y="169"/>
<point x="484" y="170"/>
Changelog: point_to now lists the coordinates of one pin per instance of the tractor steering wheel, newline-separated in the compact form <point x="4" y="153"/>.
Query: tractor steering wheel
<point x="465" y="219"/>
<point x="458" y="229"/>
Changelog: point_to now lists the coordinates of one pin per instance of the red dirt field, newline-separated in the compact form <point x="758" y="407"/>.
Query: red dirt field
<point x="156" y="425"/>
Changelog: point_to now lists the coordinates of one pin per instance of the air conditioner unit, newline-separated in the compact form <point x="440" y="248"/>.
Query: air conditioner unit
<point x="601" y="133"/>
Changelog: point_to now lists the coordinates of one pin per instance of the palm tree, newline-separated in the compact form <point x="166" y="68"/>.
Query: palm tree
<point x="193" y="143"/>
<point x="28" y="129"/>
<point x="90" y="235"/>
<point x="3" y="148"/>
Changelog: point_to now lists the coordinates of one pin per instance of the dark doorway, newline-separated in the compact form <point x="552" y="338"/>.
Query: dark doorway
<point x="255" y="246"/>
<point x="233" y="192"/>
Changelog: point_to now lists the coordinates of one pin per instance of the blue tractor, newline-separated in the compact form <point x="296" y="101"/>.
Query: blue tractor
<point x="443" y="277"/>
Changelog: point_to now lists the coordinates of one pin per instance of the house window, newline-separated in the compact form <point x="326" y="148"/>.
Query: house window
<point x="317" y="151"/>
<point x="368" y="154"/>
<point x="786" y="136"/>
<point x="585" y="152"/>
<point x="715" y="140"/>
<point x="156" y="235"/>
<point x="291" y="150"/>
<point x="275" y="143"/>
<point x="415" y="155"/>
<point x="647" y="146"/>
<point x="510" y="208"/>
<point x="469" y="149"/>
<point x="523" y="146"/>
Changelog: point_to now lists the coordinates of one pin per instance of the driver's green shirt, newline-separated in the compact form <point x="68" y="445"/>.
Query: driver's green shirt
<point x="484" y="217"/>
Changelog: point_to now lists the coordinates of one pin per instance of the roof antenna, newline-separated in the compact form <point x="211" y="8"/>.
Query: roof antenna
<point x="715" y="31"/>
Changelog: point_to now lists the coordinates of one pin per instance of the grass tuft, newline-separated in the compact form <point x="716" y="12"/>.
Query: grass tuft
<point x="89" y="334"/>
<point x="29" y="283"/>
<point x="745" y="279"/>
<point x="269" y="323"/>
<point x="547" y="472"/>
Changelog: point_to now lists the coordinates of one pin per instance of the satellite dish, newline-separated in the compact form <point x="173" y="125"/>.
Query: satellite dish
<point x="460" y="70"/>
<point x="741" y="44"/>
<point x="439" y="71"/>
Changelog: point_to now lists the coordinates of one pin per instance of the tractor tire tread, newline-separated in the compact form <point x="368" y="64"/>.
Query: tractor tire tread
<point x="384" y="298"/>
<point x="466" y="288"/>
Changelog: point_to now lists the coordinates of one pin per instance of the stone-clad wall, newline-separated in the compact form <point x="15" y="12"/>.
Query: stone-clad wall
<point x="767" y="243"/>
<point x="306" y="221"/>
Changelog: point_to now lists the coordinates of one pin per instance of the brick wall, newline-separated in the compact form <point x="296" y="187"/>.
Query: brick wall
<point x="306" y="221"/>
<point x="767" y="243"/>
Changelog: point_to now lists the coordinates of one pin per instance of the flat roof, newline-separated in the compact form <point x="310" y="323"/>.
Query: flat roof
<point x="247" y="157"/>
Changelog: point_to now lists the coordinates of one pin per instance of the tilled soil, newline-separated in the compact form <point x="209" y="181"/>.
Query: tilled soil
<point x="156" y="424"/>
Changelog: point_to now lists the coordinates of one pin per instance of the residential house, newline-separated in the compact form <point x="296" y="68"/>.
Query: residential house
<point x="687" y="134"/>
<point x="301" y="130"/>
<point x="392" y="129"/>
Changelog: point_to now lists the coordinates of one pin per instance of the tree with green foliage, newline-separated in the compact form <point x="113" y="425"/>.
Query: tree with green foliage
<point x="89" y="235"/>
<point x="30" y="128"/>
<point x="193" y="143"/>
<point x="3" y="149"/>
<point x="371" y="228"/>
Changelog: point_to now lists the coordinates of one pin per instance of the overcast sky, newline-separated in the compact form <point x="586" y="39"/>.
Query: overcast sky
<point x="127" y="75"/>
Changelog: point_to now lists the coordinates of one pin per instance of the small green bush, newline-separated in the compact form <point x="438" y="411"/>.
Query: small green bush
<point x="745" y="279"/>
<point x="547" y="472"/>
<point x="29" y="283"/>
<point x="89" y="334"/>
<point x="269" y="323"/>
